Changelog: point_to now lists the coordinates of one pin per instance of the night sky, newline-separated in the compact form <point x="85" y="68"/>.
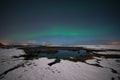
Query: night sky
<point x="59" y="21"/>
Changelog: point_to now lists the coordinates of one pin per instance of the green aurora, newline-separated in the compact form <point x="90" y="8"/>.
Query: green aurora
<point x="62" y="31"/>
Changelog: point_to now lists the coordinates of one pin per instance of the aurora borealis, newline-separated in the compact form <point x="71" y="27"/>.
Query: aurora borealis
<point x="54" y="31"/>
<point x="59" y="21"/>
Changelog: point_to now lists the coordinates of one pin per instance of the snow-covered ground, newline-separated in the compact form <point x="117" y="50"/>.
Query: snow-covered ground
<point x="98" y="68"/>
<point x="100" y="46"/>
<point x="109" y="52"/>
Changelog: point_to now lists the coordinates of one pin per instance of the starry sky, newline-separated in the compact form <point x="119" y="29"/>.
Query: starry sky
<point x="59" y="21"/>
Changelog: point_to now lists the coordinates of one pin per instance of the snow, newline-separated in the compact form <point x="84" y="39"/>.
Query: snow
<point x="38" y="69"/>
<point x="100" y="46"/>
<point x="109" y="52"/>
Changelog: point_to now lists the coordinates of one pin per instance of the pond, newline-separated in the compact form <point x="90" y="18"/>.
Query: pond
<point x="60" y="54"/>
<point x="63" y="54"/>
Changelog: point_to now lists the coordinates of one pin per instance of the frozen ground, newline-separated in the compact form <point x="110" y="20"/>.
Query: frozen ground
<point x="96" y="68"/>
<point x="101" y="46"/>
